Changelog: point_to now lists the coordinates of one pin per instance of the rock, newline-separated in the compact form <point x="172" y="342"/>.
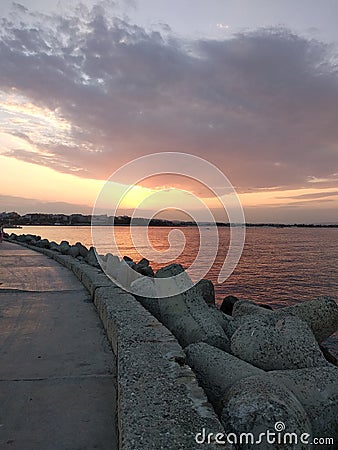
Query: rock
<point x="258" y="404"/>
<point x="74" y="251"/>
<point x="29" y="238"/>
<point x="126" y="274"/>
<point x="244" y="310"/>
<point x="328" y="354"/>
<point x="54" y="246"/>
<point x="174" y="280"/>
<point x="247" y="307"/>
<point x="112" y="266"/>
<point x="188" y="317"/>
<point x="276" y="343"/>
<point x="170" y="271"/>
<point x="194" y="326"/>
<point x="145" y="287"/>
<point x="91" y="258"/>
<point x="321" y="315"/>
<point x="265" y="305"/>
<point x="317" y="390"/>
<point x="226" y="322"/>
<point x="64" y="247"/>
<point x="228" y="304"/>
<point x="207" y="291"/>
<point x="143" y="263"/>
<point x="127" y="259"/>
<point x="186" y="314"/>
<point x="83" y="251"/>
<point x="22" y="238"/>
<point x="144" y="291"/>
<point x="144" y="269"/>
<point x="217" y="370"/>
<point x="103" y="258"/>
<point x="43" y="243"/>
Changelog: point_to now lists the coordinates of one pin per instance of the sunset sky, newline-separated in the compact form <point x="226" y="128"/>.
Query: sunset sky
<point x="249" y="85"/>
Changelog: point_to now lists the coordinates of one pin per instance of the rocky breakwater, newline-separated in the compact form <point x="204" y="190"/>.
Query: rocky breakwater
<point x="263" y="370"/>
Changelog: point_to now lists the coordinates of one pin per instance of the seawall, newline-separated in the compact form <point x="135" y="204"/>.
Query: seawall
<point x="159" y="402"/>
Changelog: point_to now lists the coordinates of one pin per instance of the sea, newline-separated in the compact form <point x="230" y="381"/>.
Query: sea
<point x="278" y="266"/>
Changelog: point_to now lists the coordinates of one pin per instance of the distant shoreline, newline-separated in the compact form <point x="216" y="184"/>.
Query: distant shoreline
<point x="247" y="225"/>
<point x="15" y="220"/>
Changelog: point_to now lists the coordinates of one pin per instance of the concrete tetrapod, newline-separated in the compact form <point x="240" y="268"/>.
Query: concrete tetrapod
<point x="260" y="407"/>
<point x="271" y="342"/>
<point x="246" y="307"/>
<point x="317" y="389"/>
<point x="217" y="370"/>
<point x="186" y="315"/>
<point x="321" y="315"/>
<point x="227" y="322"/>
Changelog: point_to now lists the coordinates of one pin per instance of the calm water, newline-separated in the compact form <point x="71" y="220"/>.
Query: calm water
<point x="279" y="266"/>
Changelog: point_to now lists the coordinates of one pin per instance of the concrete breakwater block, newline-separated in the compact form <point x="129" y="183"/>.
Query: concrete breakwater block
<point x="126" y="274"/>
<point x="317" y="389"/>
<point x="206" y="290"/>
<point x="256" y="405"/>
<point x="227" y="323"/>
<point x="243" y="308"/>
<point x="188" y="319"/>
<point x="64" y="247"/>
<point x="43" y="243"/>
<point x="112" y="265"/>
<point x="321" y="315"/>
<point x="217" y="370"/>
<point x="93" y="278"/>
<point x="249" y="399"/>
<point x="186" y="315"/>
<point x="271" y="342"/>
<point x="160" y="402"/>
<point x="91" y="258"/>
<point x="83" y="251"/>
<point x="228" y="303"/>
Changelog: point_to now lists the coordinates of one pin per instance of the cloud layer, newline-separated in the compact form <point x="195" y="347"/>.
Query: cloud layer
<point x="261" y="105"/>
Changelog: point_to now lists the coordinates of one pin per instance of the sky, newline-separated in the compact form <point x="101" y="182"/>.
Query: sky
<point x="249" y="85"/>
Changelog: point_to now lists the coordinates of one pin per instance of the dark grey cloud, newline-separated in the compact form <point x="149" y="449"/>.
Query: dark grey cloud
<point x="261" y="105"/>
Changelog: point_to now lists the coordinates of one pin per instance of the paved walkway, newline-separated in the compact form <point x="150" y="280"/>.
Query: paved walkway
<point x="57" y="371"/>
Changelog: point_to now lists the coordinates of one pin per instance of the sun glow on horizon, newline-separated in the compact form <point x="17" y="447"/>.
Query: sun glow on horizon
<point x="23" y="124"/>
<point x="47" y="185"/>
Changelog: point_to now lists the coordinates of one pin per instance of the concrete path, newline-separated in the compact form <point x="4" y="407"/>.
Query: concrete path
<point x="57" y="370"/>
